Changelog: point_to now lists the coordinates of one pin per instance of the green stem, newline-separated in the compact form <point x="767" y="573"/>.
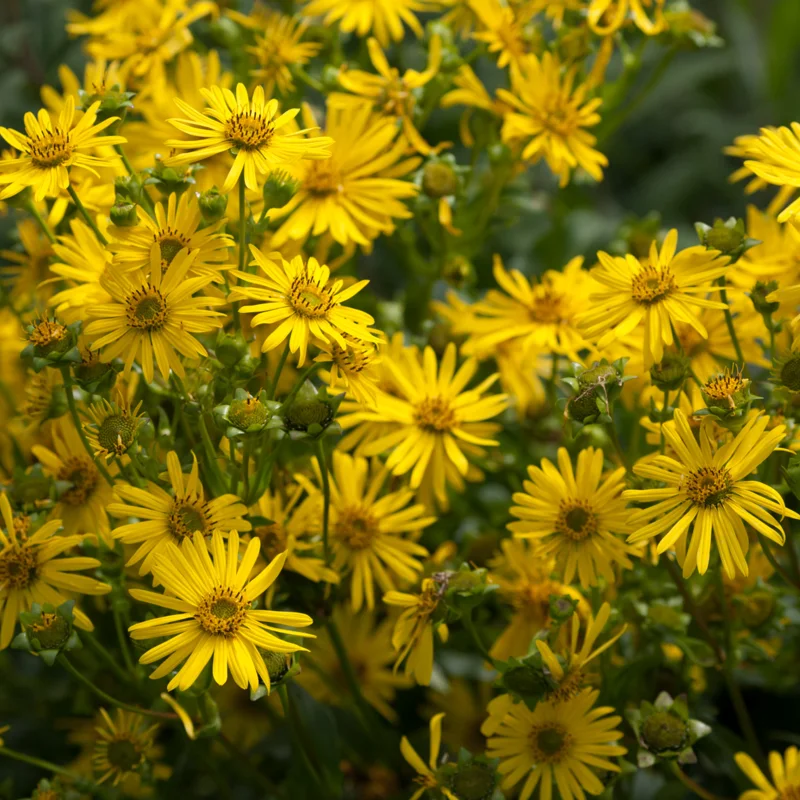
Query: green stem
<point x="243" y="215"/>
<point x="618" y="447"/>
<point x="94" y="644"/>
<point x="776" y="565"/>
<point x="264" y="473"/>
<point x="73" y="410"/>
<point x="273" y="386"/>
<point x="87" y="216"/>
<point x="308" y="80"/>
<point x="81" y="678"/>
<point x="298" y="735"/>
<point x="326" y="494"/>
<point x="551" y="386"/>
<point x="31" y="208"/>
<point x="690" y="784"/>
<point x="723" y="296"/>
<point x="123" y="642"/>
<point x="469" y="624"/>
<point x="47" y="766"/>
<point x="211" y="457"/>
<point x="147" y="201"/>
<point x="241" y="761"/>
<point x="347" y="669"/>
<point x="246" y="466"/>
<point x="735" y="693"/>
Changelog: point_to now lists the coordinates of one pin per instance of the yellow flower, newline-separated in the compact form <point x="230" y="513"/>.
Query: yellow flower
<point x="175" y="228"/>
<point x="168" y="518"/>
<point x="277" y="48"/>
<point x="49" y="148"/>
<point x="472" y="93"/>
<point x="307" y="305"/>
<point x="707" y="485"/>
<point x="372" y="535"/>
<point x="563" y="743"/>
<point x="575" y="518"/>
<point x="152" y="318"/>
<point x="356" y="193"/>
<point x="383" y="18"/>
<point x="293" y="528"/>
<point x="112" y="426"/>
<point x="99" y="77"/>
<point x="353" y="369"/>
<point x="390" y="93"/>
<point x="784" y="771"/>
<point x="608" y="16"/>
<point x="212" y="597"/>
<point x="426" y="772"/>
<point x="435" y="421"/>
<point x="124" y="747"/>
<point x="29" y="269"/>
<point x="412" y="637"/>
<point x="32" y="572"/>
<point x="660" y="291"/>
<point x="549" y="117"/>
<point x="369" y="650"/>
<point x="251" y="127"/>
<point x="82" y="506"/>
<point x="504" y="28"/>
<point x="464" y="702"/>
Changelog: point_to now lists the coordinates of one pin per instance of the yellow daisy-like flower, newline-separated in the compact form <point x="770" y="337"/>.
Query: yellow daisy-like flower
<point x="383" y="18"/>
<point x="435" y="421"/>
<point x="300" y="296"/>
<point x="175" y="228"/>
<point x="576" y="516"/>
<point x="391" y="94"/>
<point x="557" y="743"/>
<point x="354" y="369"/>
<point x="124" y="746"/>
<point x="372" y="536"/>
<point x="608" y="16"/>
<point x="278" y="47"/>
<point x="28" y="269"/>
<point x="426" y="773"/>
<point x="356" y="193"/>
<point x="213" y="597"/>
<point x="550" y="116"/>
<point x="503" y="29"/>
<point x="369" y="650"/>
<point x="112" y="426"/>
<point x="153" y="318"/>
<point x="172" y="518"/>
<point x="412" y="637"/>
<point x="250" y="127"/>
<point x="49" y="148"/>
<point x="293" y="529"/>
<point x="659" y="291"/>
<point x="775" y="157"/>
<point x="82" y="506"/>
<point x="707" y="485"/>
<point x="31" y="571"/>
<point x="784" y="771"/>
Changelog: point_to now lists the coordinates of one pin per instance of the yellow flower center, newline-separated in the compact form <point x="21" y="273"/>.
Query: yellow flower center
<point x="790" y="793"/>
<point x="723" y="387"/>
<point x="435" y="414"/>
<point x="308" y="299"/>
<point x="22" y="527"/>
<point x="186" y="517"/>
<point x="547" y="306"/>
<point x="652" y="285"/>
<point x="576" y="520"/>
<point x="395" y="100"/>
<point x="322" y="178"/>
<point x="146" y="309"/>
<point x="222" y="612"/>
<point x="356" y="527"/>
<point x="17" y="568"/>
<point x="47" y="335"/>
<point x="124" y="755"/>
<point x="532" y="600"/>
<point x="273" y="539"/>
<point x="355" y="359"/>
<point x="708" y="486"/>
<point x="570" y="686"/>
<point x="550" y="742"/>
<point x="83" y="475"/>
<point x="248" y="130"/>
<point x="171" y="242"/>
<point x="51" y="149"/>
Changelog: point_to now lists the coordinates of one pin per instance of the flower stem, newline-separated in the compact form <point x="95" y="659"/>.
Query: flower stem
<point x="469" y="624"/>
<point x="776" y="565"/>
<point x="73" y="410"/>
<point x="87" y="216"/>
<point x="242" y="244"/>
<point x="690" y="784"/>
<point x="326" y="494"/>
<point x="246" y="467"/>
<point x="47" y="766"/>
<point x="147" y="200"/>
<point x="745" y="723"/>
<point x="273" y="387"/>
<point x="48" y="232"/>
<point x="211" y="457"/>
<point x="723" y="296"/>
<point x="618" y="447"/>
<point x="81" y="678"/>
<point x="347" y="669"/>
<point x="298" y="735"/>
<point x="99" y="648"/>
<point x="123" y="641"/>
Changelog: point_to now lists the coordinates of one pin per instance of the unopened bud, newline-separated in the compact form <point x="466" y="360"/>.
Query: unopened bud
<point x="213" y="205"/>
<point x="123" y="214"/>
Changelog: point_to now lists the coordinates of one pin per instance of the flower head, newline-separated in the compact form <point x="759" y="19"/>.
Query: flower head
<point x="113" y="426"/>
<point x="784" y="771"/>
<point x="426" y="773"/>
<point x="123" y="747"/>
<point x="774" y="156"/>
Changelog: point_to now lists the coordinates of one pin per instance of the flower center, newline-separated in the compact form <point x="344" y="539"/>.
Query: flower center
<point x="116" y="433"/>
<point x="547" y="306"/>
<point x="248" y="130"/>
<point x="186" y="517"/>
<point x="790" y="793"/>
<point x="435" y="414"/>
<point x="18" y="568"/>
<point x="273" y="539"/>
<point x="724" y="387"/>
<point x="82" y="474"/>
<point x="576" y="520"/>
<point x="532" y="600"/>
<point x="396" y="99"/>
<point x="124" y="755"/>
<point x="47" y="336"/>
<point x="355" y="359"/>
<point x="146" y="309"/>
<point x="790" y="374"/>
<point x="322" y="178"/>
<point x="652" y="285"/>
<point x="665" y="732"/>
<point x="708" y="486"/>
<point x="550" y="742"/>
<point x="50" y="149"/>
<point x="222" y="612"/>
<point x="171" y="242"/>
<point x="308" y="299"/>
<point x="356" y="527"/>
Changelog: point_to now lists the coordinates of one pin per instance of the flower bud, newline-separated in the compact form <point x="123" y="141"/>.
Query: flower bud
<point x="458" y="271"/>
<point x="471" y="777"/>
<point x="595" y="388"/>
<point x="562" y="607"/>
<point x="728" y="236"/>
<point x="279" y="189"/>
<point x="230" y="349"/>
<point x="756" y="608"/>
<point x="758" y="296"/>
<point x="50" y="344"/>
<point x="170" y="180"/>
<point x="439" y="179"/>
<point x="128" y="187"/>
<point x="123" y="214"/>
<point x="311" y="412"/>
<point x="47" y="630"/>
<point x="92" y="374"/>
<point x="213" y="205"/>
<point x="728" y="398"/>
<point x="670" y="373"/>
<point x="248" y="414"/>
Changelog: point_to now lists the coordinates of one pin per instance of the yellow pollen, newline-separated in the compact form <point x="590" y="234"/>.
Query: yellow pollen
<point x="51" y="149"/>
<point x="322" y="178"/>
<point x="435" y="414"/>
<point x="83" y="475"/>
<point x="308" y="299"/>
<point x="222" y="612"/>
<point x="354" y="359"/>
<point x="186" y="517"/>
<point x="395" y="100"/>
<point x="146" y="309"/>
<point x="652" y="285"/>
<point x="248" y="130"/>
<point x="547" y="306"/>
<point x="47" y="333"/>
<point x="708" y="486"/>
<point x="22" y="526"/>
<point x="576" y="520"/>
<point x="570" y="686"/>
<point x="356" y="528"/>
<point x="17" y="567"/>
<point x="723" y="387"/>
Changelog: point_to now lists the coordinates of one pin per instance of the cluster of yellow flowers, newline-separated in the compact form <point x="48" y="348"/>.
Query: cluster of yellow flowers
<point x="211" y="420"/>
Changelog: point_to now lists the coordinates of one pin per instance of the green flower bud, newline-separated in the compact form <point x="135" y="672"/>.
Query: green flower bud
<point x="30" y="486"/>
<point x="128" y="187"/>
<point x="596" y="389"/>
<point x="728" y="236"/>
<point x="47" y="630"/>
<point x="279" y="189"/>
<point x="670" y="373"/>
<point x="311" y="412"/>
<point x="458" y="271"/>
<point x="170" y="180"/>
<point x="786" y="372"/>
<point x="562" y="607"/>
<point x="213" y="205"/>
<point x="663" y="732"/>
<point x="50" y="344"/>
<point x="123" y="214"/>
<point x="471" y="777"/>
<point x="758" y="296"/>
<point x="92" y="374"/>
<point x="526" y="679"/>
<point x="231" y="349"/>
<point x="439" y="179"/>
<point x="728" y="398"/>
<point x="248" y="414"/>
